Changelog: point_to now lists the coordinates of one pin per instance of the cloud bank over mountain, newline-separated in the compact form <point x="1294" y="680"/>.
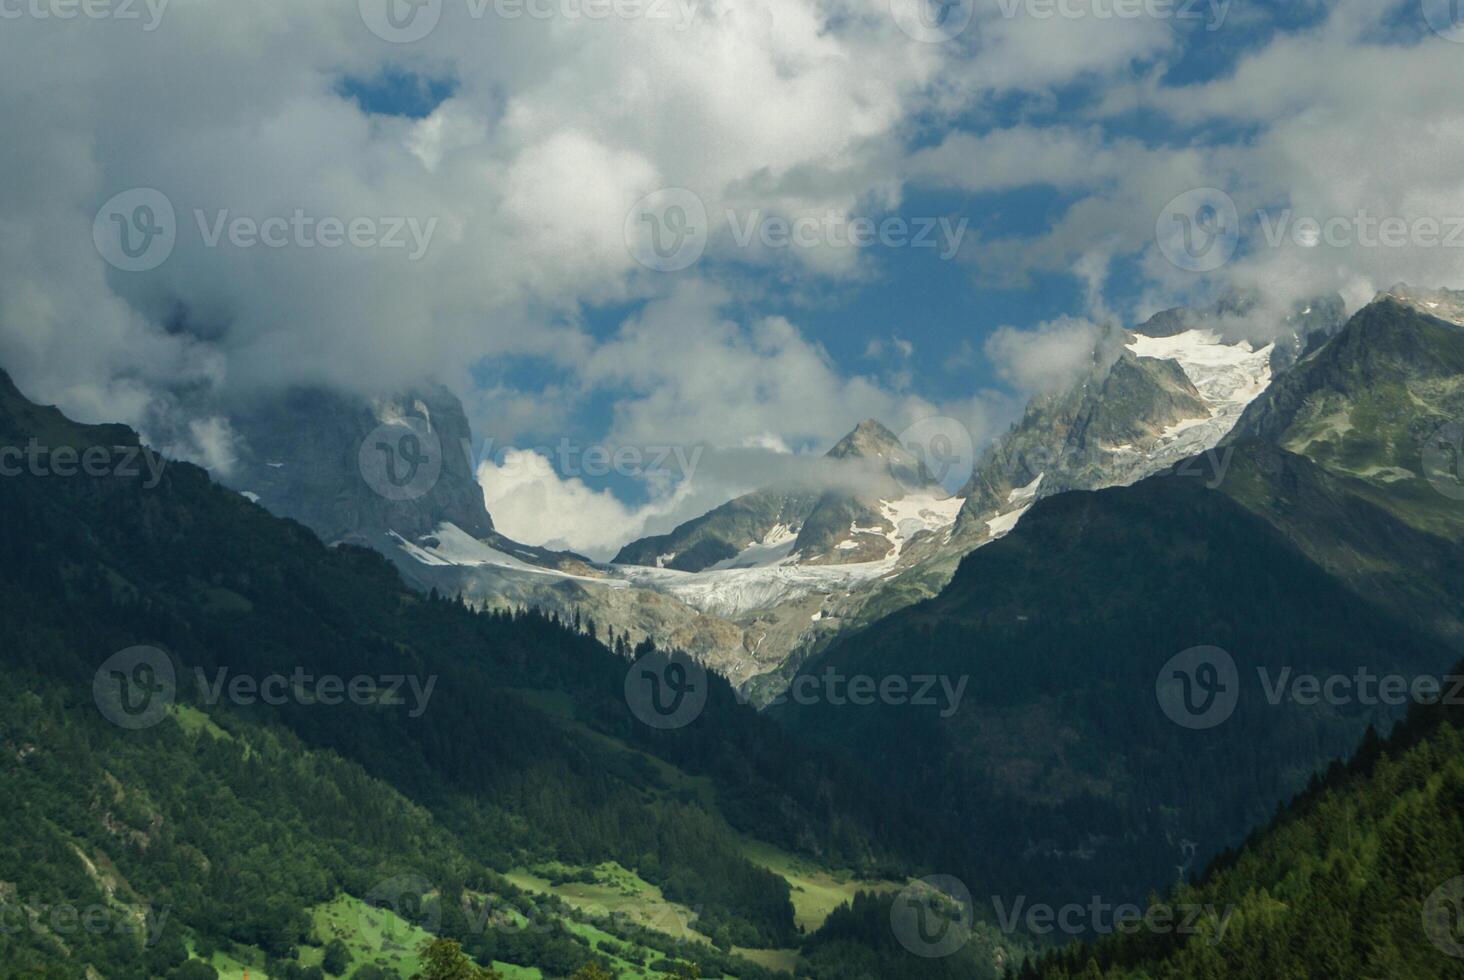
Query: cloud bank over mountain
<point x="507" y="151"/>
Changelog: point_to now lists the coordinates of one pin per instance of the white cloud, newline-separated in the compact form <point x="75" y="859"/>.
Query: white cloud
<point x="555" y="127"/>
<point x="532" y="503"/>
<point x="1350" y="115"/>
<point x="685" y="373"/>
<point x="1046" y="357"/>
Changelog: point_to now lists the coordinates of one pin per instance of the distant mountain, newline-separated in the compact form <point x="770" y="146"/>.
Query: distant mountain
<point x="758" y="584"/>
<point x="1366" y="404"/>
<point x="769" y="520"/>
<point x="1165" y="391"/>
<point x="302" y="453"/>
<point x="1150" y="397"/>
<point x="801" y="524"/>
<point x="382" y="472"/>
<point x="1061" y="764"/>
<point x="258" y="819"/>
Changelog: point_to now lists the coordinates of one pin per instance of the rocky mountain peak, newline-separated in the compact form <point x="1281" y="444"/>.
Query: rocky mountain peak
<point x="869" y="438"/>
<point x="1445" y="304"/>
<point x="311" y="455"/>
<point x="872" y="442"/>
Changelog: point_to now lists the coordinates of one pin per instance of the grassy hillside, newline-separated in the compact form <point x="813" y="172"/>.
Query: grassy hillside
<point x="1356" y="879"/>
<point x="244" y="817"/>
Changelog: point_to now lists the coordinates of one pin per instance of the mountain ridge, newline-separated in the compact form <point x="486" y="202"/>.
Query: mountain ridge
<point x="1266" y="557"/>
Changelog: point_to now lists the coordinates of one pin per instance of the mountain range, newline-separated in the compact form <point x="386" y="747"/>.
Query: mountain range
<point x="1279" y="514"/>
<point x="754" y="587"/>
<point x="1296" y="554"/>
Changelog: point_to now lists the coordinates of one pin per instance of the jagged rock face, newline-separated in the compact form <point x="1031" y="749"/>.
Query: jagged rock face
<point x="847" y="529"/>
<point x="301" y="458"/>
<point x="772" y="577"/>
<point x="844" y="530"/>
<point x="1085" y="437"/>
<point x="1151" y="398"/>
<point x="1179" y="385"/>
<point x="1318" y="401"/>
<point x="766" y="517"/>
<point x="872" y="442"/>
<point x="1445" y="304"/>
<point x="1366" y="403"/>
<point x="844" y="525"/>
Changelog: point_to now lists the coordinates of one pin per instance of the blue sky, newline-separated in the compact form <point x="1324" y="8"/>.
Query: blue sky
<point x="544" y="151"/>
<point x="943" y="308"/>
